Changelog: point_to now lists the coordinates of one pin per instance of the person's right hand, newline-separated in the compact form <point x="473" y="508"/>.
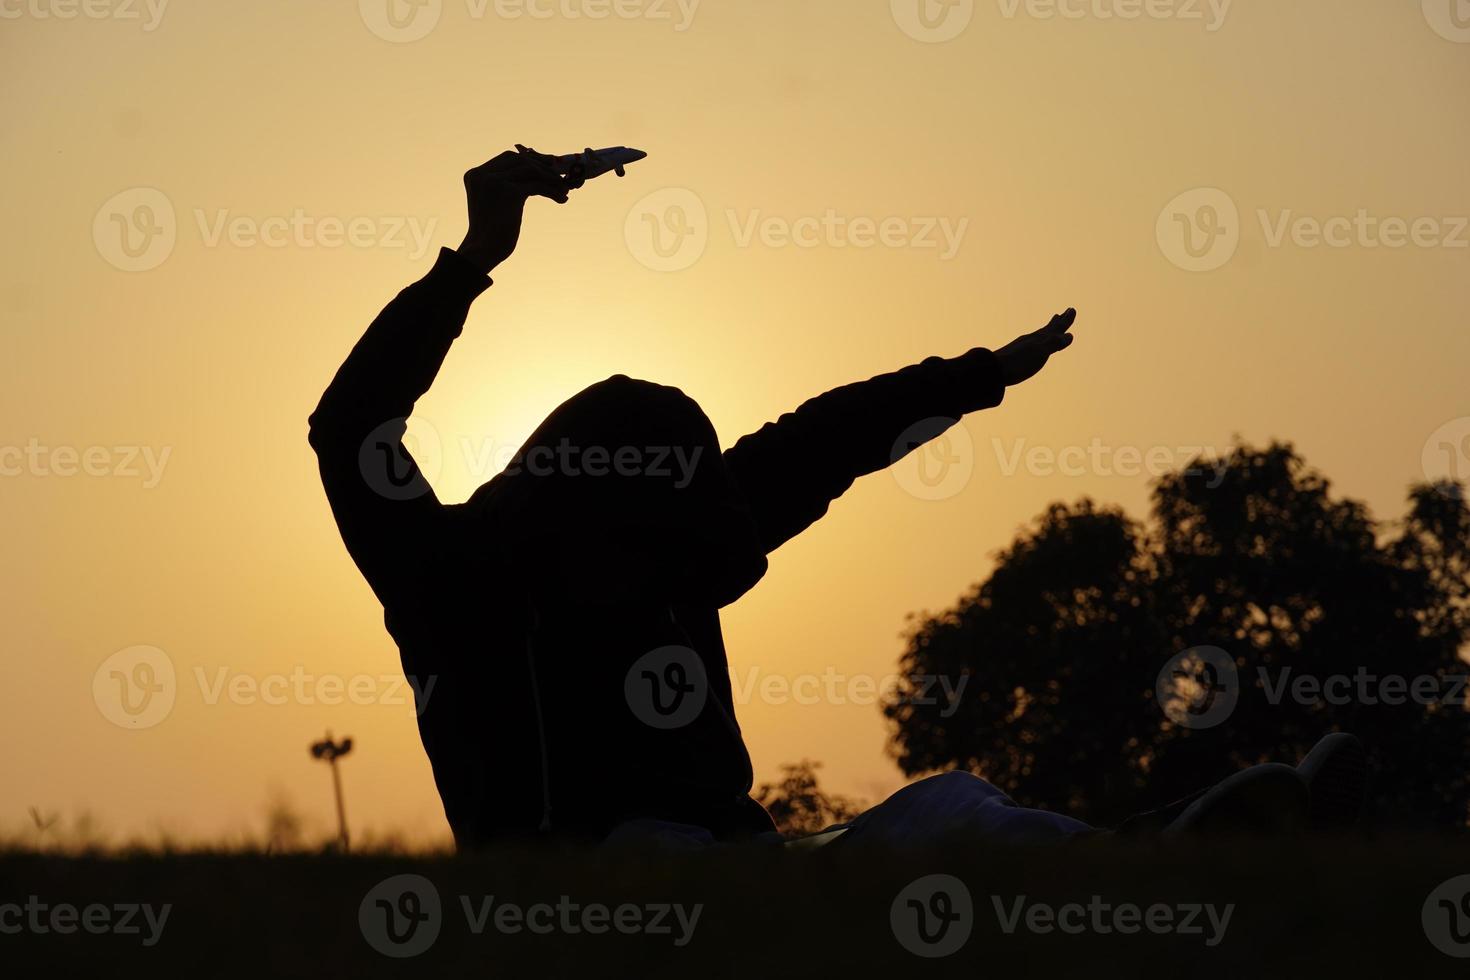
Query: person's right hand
<point x="496" y="193"/>
<point x="1023" y="357"/>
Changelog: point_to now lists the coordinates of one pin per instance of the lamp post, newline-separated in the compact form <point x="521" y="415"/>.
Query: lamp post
<point x="332" y="751"/>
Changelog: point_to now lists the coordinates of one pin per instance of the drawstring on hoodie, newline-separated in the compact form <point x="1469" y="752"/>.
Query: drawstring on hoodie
<point x="540" y="722"/>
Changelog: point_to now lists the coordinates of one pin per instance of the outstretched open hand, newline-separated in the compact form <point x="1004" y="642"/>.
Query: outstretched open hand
<point x="1023" y="357"/>
<point x="496" y="193"/>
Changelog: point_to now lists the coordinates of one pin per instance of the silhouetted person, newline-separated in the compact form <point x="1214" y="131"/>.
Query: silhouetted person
<point x="617" y="534"/>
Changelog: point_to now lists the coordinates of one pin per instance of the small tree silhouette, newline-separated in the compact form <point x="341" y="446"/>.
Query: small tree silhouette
<point x="799" y="806"/>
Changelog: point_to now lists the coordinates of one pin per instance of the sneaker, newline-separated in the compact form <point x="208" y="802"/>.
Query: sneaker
<point x="1263" y="800"/>
<point x="1151" y="822"/>
<point x="1336" y="774"/>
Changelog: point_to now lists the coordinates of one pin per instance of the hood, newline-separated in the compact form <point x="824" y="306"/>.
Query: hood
<point x="622" y="494"/>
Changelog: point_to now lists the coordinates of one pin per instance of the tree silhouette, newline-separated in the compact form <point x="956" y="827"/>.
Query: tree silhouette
<point x="799" y="805"/>
<point x="1065" y="641"/>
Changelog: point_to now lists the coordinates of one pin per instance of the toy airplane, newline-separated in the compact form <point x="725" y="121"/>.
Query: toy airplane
<point x="594" y="163"/>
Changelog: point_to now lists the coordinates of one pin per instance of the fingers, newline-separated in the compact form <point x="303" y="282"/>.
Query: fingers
<point x="498" y="161"/>
<point x="1055" y="333"/>
<point x="538" y="172"/>
<point x="527" y="153"/>
<point x="551" y="165"/>
<point x="525" y="171"/>
<point x="556" y="189"/>
<point x="521" y="154"/>
<point x="542" y="163"/>
<point x="1053" y="342"/>
<point x="1062" y="322"/>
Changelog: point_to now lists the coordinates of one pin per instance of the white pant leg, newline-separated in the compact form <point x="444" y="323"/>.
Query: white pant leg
<point x="959" y="804"/>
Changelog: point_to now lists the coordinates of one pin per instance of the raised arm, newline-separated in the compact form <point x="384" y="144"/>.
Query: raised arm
<point x="385" y="509"/>
<point x="792" y="469"/>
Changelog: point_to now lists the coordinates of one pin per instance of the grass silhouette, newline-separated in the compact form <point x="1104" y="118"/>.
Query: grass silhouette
<point x="1301" y="908"/>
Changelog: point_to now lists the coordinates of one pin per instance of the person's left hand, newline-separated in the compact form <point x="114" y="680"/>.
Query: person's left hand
<point x="1023" y="357"/>
<point x="497" y="192"/>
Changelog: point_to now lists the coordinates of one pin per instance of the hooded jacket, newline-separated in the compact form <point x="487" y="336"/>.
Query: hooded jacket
<point x="561" y="628"/>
